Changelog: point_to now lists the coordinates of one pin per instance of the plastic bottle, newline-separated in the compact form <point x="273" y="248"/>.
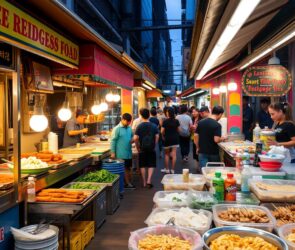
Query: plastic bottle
<point x="230" y="187"/>
<point x="31" y="191"/>
<point x="218" y="186"/>
<point x="238" y="159"/>
<point x="245" y="176"/>
<point x="256" y="133"/>
<point x="246" y="157"/>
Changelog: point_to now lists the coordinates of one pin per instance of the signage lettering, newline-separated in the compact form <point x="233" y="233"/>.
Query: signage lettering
<point x="270" y="80"/>
<point x="22" y="28"/>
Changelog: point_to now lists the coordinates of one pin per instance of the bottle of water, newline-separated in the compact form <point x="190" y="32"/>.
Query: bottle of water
<point x="256" y="133"/>
<point x="245" y="176"/>
<point x="31" y="191"/>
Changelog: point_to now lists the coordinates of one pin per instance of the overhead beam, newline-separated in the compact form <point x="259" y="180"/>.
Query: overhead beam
<point x="161" y="27"/>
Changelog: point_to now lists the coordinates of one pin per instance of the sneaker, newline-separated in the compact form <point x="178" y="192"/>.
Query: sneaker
<point x="167" y="171"/>
<point x="129" y="186"/>
<point x="172" y="171"/>
<point x="149" y="185"/>
<point x="163" y="170"/>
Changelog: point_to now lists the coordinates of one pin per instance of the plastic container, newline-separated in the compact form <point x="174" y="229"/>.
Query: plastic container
<point x="201" y="230"/>
<point x="273" y="195"/>
<point x="223" y="207"/>
<point x="246" y="175"/>
<point x="270" y="166"/>
<point x="218" y="186"/>
<point x="267" y="137"/>
<point x="201" y="200"/>
<point x="243" y="232"/>
<point x="272" y="158"/>
<point x="209" y="173"/>
<point x="183" y="233"/>
<point x="280" y="175"/>
<point x="169" y="204"/>
<point x="230" y="188"/>
<point x="244" y="198"/>
<point x="284" y="231"/>
<point x="175" y="182"/>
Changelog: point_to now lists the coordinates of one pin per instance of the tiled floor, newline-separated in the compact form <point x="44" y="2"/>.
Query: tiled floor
<point x="134" y="209"/>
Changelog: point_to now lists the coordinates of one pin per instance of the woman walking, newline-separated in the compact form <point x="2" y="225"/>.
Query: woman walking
<point x="170" y="134"/>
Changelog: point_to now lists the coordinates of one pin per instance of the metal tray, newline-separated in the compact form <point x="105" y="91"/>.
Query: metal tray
<point x="75" y="157"/>
<point x="100" y="186"/>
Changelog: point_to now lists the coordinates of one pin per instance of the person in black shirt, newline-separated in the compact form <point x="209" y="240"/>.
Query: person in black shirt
<point x="263" y="116"/>
<point x="170" y="133"/>
<point x="207" y="137"/>
<point x="146" y="137"/>
<point x="281" y="113"/>
<point x="248" y="123"/>
<point x="153" y="118"/>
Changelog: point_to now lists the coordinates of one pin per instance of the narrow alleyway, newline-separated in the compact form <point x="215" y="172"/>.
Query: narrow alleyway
<point x="134" y="209"/>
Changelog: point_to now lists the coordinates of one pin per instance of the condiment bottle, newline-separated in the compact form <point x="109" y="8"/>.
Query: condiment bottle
<point x="218" y="186"/>
<point x="239" y="160"/>
<point x="185" y="175"/>
<point x="245" y="176"/>
<point x="31" y="191"/>
<point x="230" y="187"/>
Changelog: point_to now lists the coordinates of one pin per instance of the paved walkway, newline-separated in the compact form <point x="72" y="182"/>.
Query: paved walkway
<point x="134" y="209"/>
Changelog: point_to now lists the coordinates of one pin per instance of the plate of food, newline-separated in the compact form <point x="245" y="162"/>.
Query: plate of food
<point x="32" y="165"/>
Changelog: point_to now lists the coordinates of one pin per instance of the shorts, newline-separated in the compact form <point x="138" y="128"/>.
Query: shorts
<point x="128" y="164"/>
<point x="172" y="146"/>
<point x="147" y="159"/>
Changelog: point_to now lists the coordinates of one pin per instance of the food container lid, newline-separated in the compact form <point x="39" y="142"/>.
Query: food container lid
<point x="177" y="179"/>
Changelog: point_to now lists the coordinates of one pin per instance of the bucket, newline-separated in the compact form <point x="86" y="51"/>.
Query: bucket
<point x="115" y="167"/>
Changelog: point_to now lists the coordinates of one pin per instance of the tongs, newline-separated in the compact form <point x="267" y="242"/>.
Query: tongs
<point x="41" y="227"/>
<point x="171" y="222"/>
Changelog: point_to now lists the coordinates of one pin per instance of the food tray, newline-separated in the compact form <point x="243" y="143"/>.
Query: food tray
<point x="169" y="204"/>
<point x="272" y="195"/>
<point x="183" y="233"/>
<point x="222" y="207"/>
<point x="214" y="233"/>
<point x="174" y="182"/>
<point x="209" y="173"/>
<point x="284" y="231"/>
<point x="6" y="185"/>
<point x="99" y="186"/>
<point x="244" y="198"/>
<point x="200" y="230"/>
<point x="201" y="200"/>
<point x="75" y="157"/>
<point x="88" y="192"/>
<point x="61" y="165"/>
<point x="255" y="171"/>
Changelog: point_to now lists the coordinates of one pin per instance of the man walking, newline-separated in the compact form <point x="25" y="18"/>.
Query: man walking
<point x="146" y="137"/>
<point x="121" y="141"/>
<point x="185" y="131"/>
<point x="207" y="137"/>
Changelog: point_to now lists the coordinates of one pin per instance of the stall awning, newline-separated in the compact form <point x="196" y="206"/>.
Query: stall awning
<point x="155" y="93"/>
<point x="190" y="92"/>
<point x="145" y="77"/>
<point x="100" y="67"/>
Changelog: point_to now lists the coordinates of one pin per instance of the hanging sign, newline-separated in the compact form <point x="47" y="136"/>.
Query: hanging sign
<point x="269" y="80"/>
<point x="23" y="31"/>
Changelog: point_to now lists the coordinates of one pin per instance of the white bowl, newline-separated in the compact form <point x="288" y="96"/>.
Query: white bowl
<point x="272" y="158"/>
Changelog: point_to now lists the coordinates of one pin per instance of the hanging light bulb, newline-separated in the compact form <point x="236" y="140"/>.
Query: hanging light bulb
<point x="116" y="98"/>
<point x="38" y="121"/>
<point x="222" y="89"/>
<point x="232" y="86"/>
<point x="215" y="91"/>
<point x="104" y="106"/>
<point x="65" y="113"/>
<point x="109" y="97"/>
<point x="96" y="108"/>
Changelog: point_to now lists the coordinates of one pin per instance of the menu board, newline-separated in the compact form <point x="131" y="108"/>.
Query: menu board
<point x="269" y="80"/>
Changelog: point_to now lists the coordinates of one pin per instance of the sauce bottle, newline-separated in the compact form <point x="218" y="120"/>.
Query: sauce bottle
<point x="218" y="186"/>
<point x="230" y="187"/>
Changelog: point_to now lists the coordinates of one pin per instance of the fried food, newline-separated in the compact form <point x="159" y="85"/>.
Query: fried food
<point x="6" y="178"/>
<point x="291" y="236"/>
<point x="244" y="215"/>
<point x="163" y="242"/>
<point x="284" y="214"/>
<point x="61" y="195"/>
<point x="234" y="242"/>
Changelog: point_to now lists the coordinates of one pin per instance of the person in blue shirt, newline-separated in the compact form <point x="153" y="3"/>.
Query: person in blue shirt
<point x="263" y="116"/>
<point x="121" y="142"/>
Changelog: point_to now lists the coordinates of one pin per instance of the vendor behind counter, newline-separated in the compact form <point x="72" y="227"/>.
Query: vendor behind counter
<point x="281" y="113"/>
<point x="74" y="129"/>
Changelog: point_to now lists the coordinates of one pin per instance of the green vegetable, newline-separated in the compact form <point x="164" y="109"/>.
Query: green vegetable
<point x="176" y="199"/>
<point x="202" y="204"/>
<point x="84" y="186"/>
<point x="102" y="176"/>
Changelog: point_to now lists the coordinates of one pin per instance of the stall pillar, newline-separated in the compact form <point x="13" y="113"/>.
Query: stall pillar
<point x="126" y="101"/>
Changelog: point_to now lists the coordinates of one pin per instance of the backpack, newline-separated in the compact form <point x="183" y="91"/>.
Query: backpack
<point x="148" y="141"/>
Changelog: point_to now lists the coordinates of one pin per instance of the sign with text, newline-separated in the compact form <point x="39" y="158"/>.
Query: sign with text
<point x="22" y="30"/>
<point x="269" y="80"/>
<point x="6" y="56"/>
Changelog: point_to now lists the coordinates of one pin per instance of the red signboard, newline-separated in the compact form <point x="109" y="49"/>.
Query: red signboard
<point x="270" y="80"/>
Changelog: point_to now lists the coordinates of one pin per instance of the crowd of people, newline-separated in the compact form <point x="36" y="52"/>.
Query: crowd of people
<point x="173" y="128"/>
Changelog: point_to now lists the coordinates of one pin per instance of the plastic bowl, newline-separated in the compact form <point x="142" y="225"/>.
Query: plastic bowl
<point x="270" y="166"/>
<point x="212" y="234"/>
<point x="272" y="158"/>
<point x="284" y="231"/>
<point x="183" y="233"/>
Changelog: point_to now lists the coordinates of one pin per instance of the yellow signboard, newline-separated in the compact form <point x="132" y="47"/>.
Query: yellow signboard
<point x="22" y="30"/>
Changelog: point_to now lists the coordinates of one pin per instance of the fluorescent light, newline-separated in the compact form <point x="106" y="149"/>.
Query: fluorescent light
<point x="269" y="50"/>
<point x="239" y="17"/>
<point x="167" y="91"/>
<point x="196" y="93"/>
<point x="147" y="86"/>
